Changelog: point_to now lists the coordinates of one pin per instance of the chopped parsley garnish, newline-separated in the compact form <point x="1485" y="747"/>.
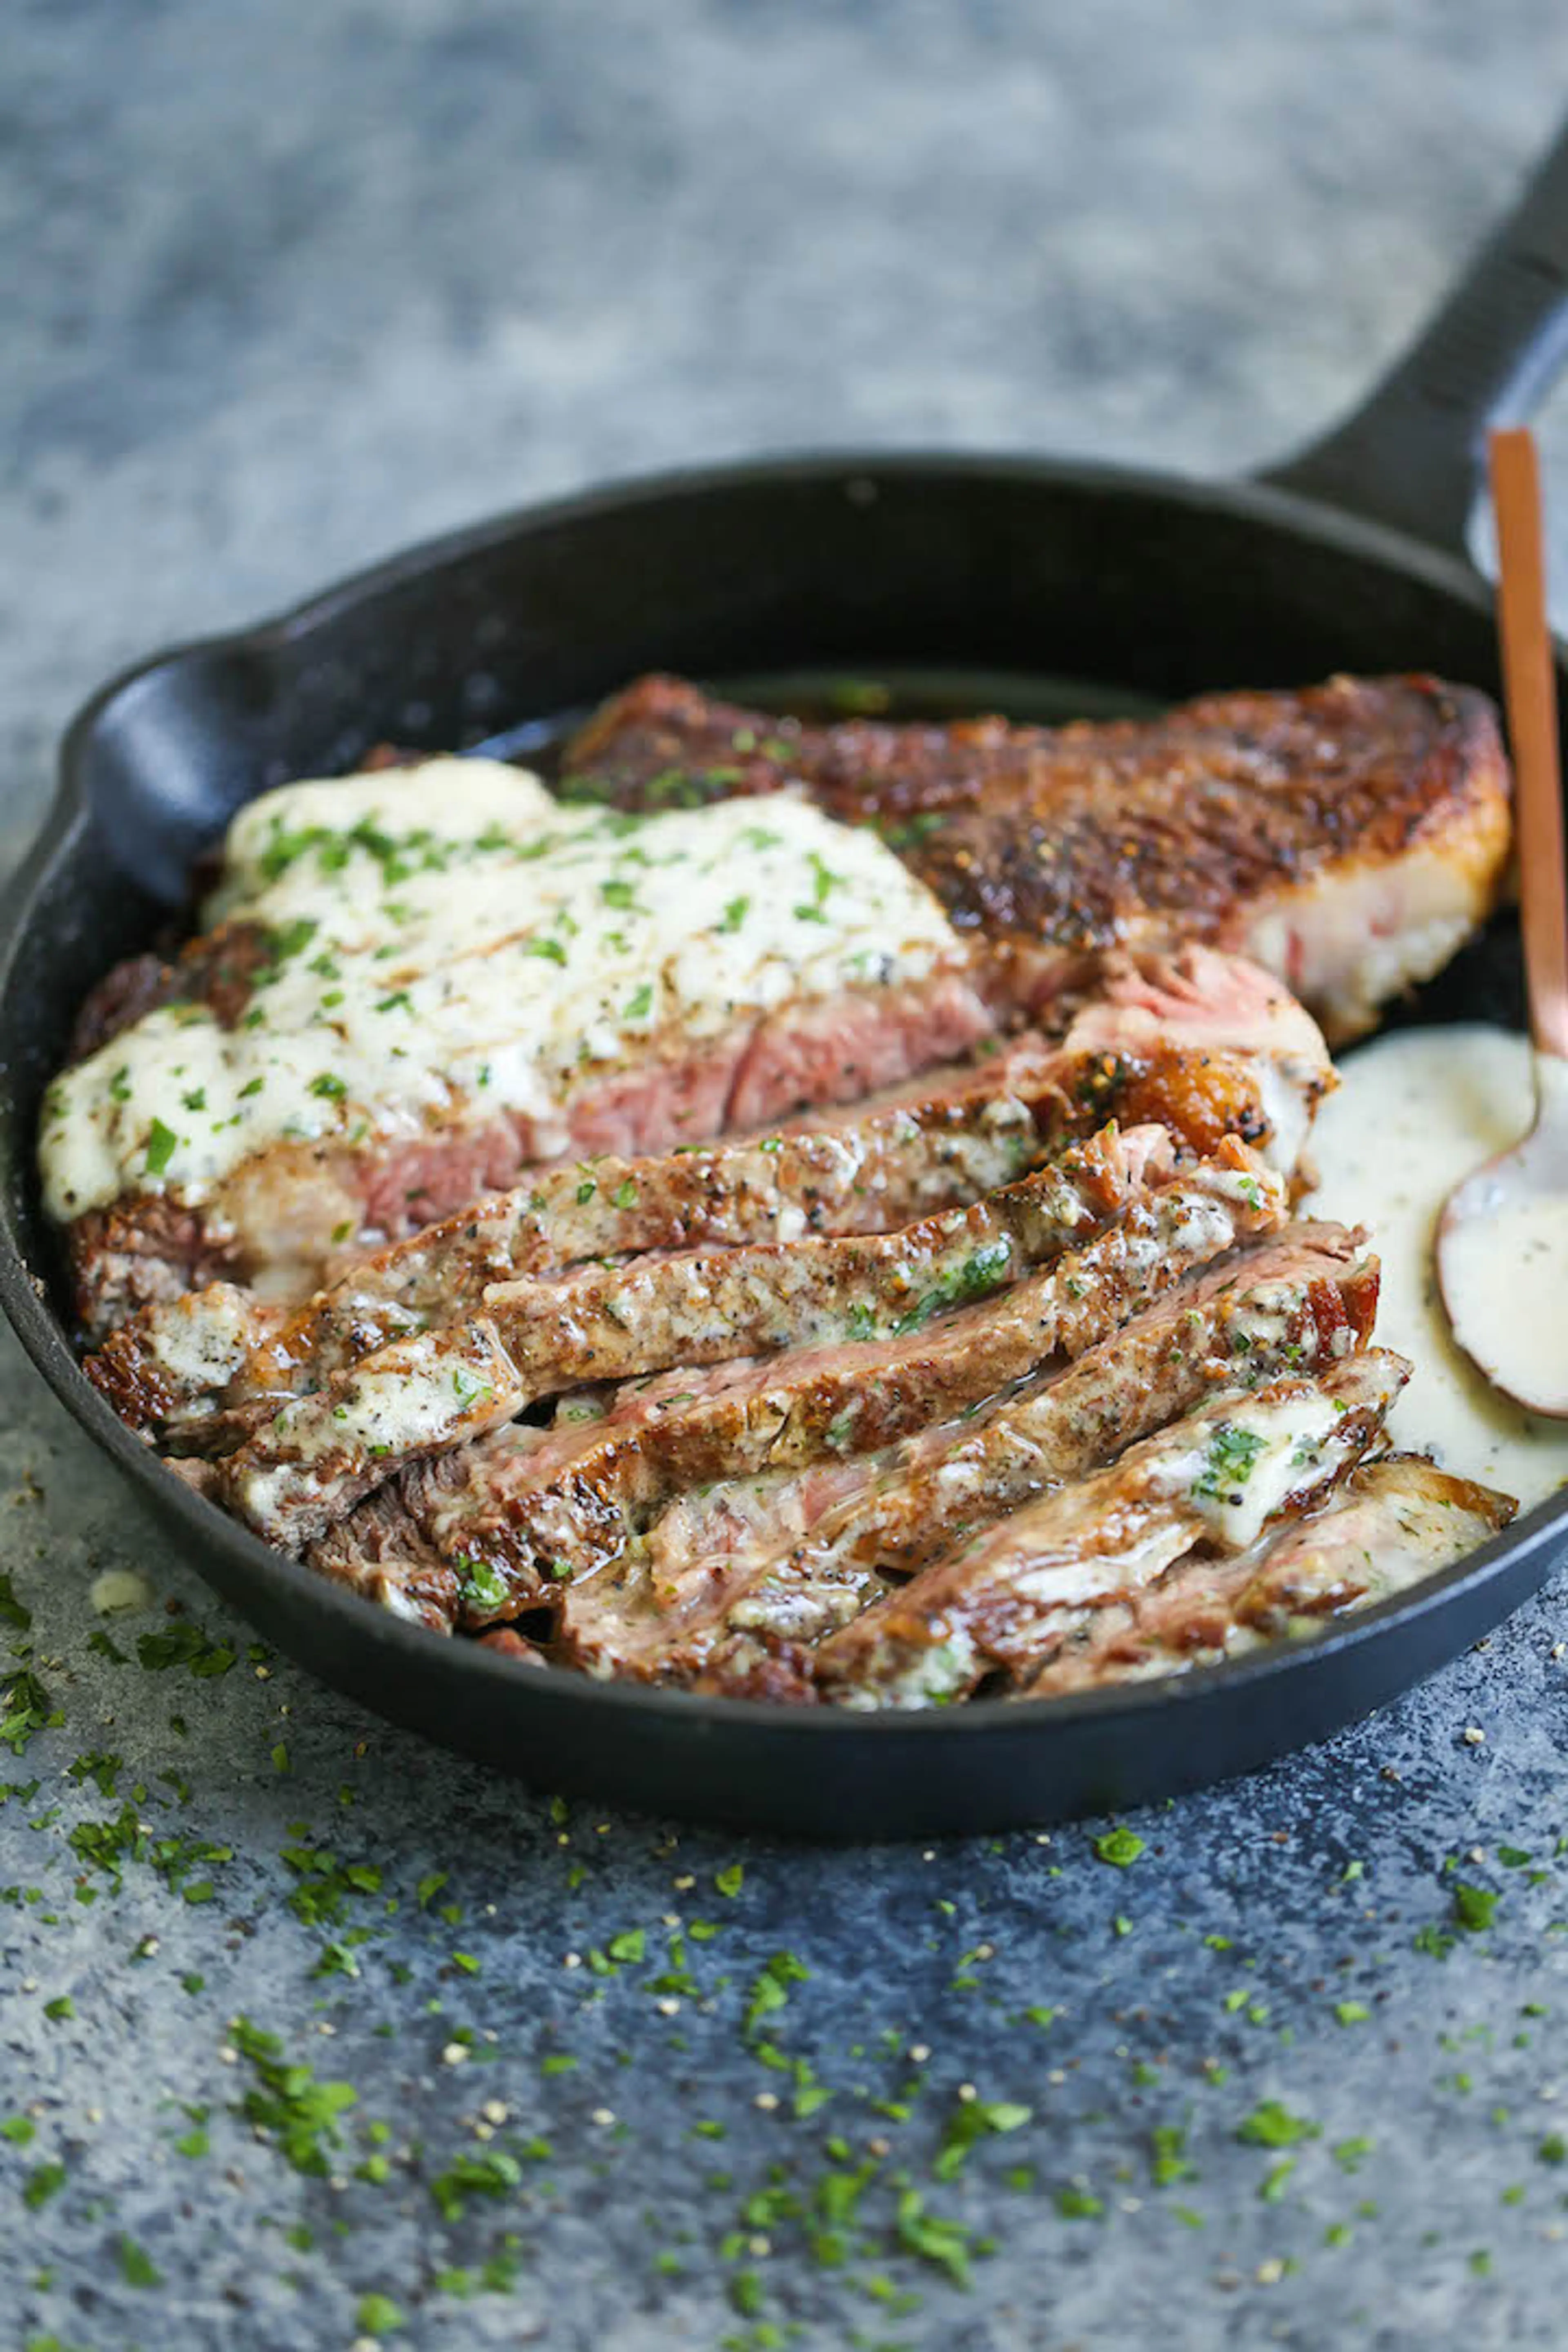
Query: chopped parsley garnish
<point x="1272" y="2125"/>
<point x="291" y="939"/>
<point x="973" y="2120"/>
<point x="480" y="1586"/>
<point x="979" y="1274"/>
<point x="945" y="2244"/>
<point x="329" y="1086"/>
<point x="1474" y="1908"/>
<point x="378" y="2315"/>
<point x="1119" y="1847"/>
<point x="1228" y="1462"/>
<point x="161" y="1144"/>
<point x="136" y="2268"/>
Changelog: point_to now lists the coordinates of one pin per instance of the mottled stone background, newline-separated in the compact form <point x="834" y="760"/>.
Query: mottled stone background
<point x="283" y="288"/>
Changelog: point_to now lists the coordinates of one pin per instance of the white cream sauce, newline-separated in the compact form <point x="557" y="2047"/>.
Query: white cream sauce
<point x="452" y="942"/>
<point x="1413" y="1114"/>
<point x="1505" y="1280"/>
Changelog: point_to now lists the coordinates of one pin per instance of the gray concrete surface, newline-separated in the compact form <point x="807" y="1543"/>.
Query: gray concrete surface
<point x="285" y="287"/>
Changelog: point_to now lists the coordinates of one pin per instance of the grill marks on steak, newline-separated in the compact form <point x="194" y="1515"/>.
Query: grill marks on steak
<point x="1003" y="1602"/>
<point x="1390" y="1524"/>
<point x="537" y="1338"/>
<point x="1348" y="834"/>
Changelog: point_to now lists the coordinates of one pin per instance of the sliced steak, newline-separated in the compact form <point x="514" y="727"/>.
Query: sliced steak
<point x="537" y="1339"/>
<point x="1292" y="1305"/>
<point x="882" y="1164"/>
<point x="1200" y="1043"/>
<point x="426" y="1393"/>
<point x="288" y="1216"/>
<point x="1348" y="836"/>
<point x="1389" y="1525"/>
<point x="1006" y="1601"/>
<point x="1297" y="1304"/>
<point x="539" y="1519"/>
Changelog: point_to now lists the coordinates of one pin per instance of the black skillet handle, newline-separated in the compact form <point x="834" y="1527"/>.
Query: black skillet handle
<point x="1411" y="454"/>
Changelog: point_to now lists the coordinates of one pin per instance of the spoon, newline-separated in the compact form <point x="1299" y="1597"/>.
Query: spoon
<point x="1502" y="1241"/>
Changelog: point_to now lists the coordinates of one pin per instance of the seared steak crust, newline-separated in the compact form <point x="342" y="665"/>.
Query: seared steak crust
<point x="219" y="970"/>
<point x="1233" y="819"/>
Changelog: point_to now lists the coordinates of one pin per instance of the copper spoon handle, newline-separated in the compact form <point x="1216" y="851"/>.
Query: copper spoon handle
<point x="1529" y="685"/>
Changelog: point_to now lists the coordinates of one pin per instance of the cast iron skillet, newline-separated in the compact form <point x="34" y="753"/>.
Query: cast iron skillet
<point x="1350" y="557"/>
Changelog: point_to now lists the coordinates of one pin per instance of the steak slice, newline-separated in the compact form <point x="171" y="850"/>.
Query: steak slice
<point x="522" y="1524"/>
<point x="948" y="1139"/>
<point x="702" y="1596"/>
<point x="397" y="1013"/>
<point x="1348" y="835"/>
<point x="1199" y="1043"/>
<point x="431" y="1392"/>
<point x="1006" y="1601"/>
<point x="286" y="1217"/>
<point x="1388" y="1526"/>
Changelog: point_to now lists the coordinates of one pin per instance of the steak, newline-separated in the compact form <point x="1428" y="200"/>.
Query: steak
<point x="521" y="1522"/>
<point x="1199" y="1043"/>
<point x="1296" y="1305"/>
<point x="838" y="1262"/>
<point x="1348" y="836"/>
<point x="1387" y="1526"/>
<point x="431" y="1392"/>
<point x="1005" y="1602"/>
<point x="296" y="1212"/>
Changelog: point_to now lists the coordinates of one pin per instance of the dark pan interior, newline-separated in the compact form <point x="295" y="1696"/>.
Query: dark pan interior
<point x="945" y="576"/>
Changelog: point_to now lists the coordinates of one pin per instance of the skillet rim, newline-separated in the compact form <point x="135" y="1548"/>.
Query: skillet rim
<point x="23" y="1292"/>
